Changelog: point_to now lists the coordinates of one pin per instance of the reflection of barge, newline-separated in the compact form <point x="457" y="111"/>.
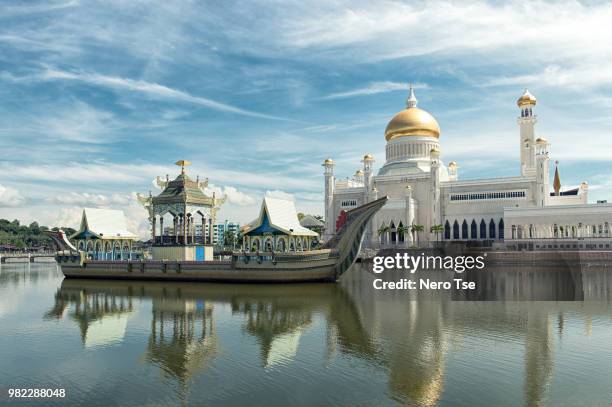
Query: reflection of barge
<point x="326" y="264"/>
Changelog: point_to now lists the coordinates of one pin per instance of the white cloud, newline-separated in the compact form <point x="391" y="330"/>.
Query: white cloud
<point x="80" y="122"/>
<point x="234" y="196"/>
<point x="555" y="75"/>
<point x="87" y="199"/>
<point x="149" y="89"/>
<point x="10" y="197"/>
<point x="374" y="88"/>
<point x="280" y="195"/>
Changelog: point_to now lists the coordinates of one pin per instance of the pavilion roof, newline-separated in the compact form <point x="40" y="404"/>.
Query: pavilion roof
<point x="309" y="221"/>
<point x="183" y="190"/>
<point x="281" y="215"/>
<point x="103" y="224"/>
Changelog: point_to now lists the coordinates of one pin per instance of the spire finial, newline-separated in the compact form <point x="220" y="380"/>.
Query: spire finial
<point x="557" y="180"/>
<point x="412" y="100"/>
<point x="182" y="164"/>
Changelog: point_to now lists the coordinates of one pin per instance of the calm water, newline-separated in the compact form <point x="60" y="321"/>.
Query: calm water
<point x="130" y="343"/>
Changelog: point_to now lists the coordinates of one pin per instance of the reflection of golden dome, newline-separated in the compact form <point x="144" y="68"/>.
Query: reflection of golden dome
<point x="412" y="121"/>
<point x="526" y="99"/>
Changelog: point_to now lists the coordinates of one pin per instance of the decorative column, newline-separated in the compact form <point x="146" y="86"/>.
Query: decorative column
<point x="409" y="216"/>
<point x="161" y="229"/>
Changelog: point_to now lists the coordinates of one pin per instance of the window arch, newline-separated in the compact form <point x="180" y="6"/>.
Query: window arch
<point x="492" y="229"/>
<point x="501" y="229"/>
<point x="447" y="231"/>
<point x="473" y="230"/>
<point x="456" y="230"/>
<point x="483" y="229"/>
<point x="464" y="229"/>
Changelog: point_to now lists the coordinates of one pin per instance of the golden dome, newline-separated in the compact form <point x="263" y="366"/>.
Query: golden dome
<point x="412" y="121"/>
<point x="541" y="140"/>
<point x="368" y="157"/>
<point x="328" y="161"/>
<point x="526" y="99"/>
<point x="452" y="164"/>
<point x="434" y="151"/>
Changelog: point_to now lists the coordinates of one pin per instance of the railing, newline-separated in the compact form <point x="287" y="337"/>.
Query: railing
<point x="181" y="240"/>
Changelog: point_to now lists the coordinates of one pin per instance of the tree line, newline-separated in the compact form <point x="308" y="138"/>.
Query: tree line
<point x="27" y="236"/>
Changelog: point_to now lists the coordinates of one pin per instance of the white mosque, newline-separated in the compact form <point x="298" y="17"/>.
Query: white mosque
<point x="428" y="201"/>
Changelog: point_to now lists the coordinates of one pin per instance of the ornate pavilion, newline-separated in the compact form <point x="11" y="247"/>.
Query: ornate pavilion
<point x="277" y="229"/>
<point x="182" y="217"/>
<point x="103" y="235"/>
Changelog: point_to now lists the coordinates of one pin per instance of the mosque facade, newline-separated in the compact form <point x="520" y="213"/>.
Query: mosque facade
<point x="428" y="202"/>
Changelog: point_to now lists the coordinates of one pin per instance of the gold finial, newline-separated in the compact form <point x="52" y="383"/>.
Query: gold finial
<point x="557" y="180"/>
<point x="183" y="164"/>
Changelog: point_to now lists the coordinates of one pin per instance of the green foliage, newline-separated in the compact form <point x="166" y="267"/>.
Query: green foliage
<point x="24" y="236"/>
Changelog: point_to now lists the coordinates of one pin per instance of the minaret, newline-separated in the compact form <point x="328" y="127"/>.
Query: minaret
<point x="435" y="187"/>
<point x="527" y="121"/>
<point x="542" y="172"/>
<point x="367" y="161"/>
<point x="328" y="164"/>
<point x="557" y="180"/>
<point x="368" y="194"/>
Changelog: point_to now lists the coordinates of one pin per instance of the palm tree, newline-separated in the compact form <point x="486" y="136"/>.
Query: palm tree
<point x="401" y="231"/>
<point x="437" y="229"/>
<point x="382" y="230"/>
<point x="416" y="229"/>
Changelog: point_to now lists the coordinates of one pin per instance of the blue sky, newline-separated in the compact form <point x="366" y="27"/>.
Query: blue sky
<point x="97" y="98"/>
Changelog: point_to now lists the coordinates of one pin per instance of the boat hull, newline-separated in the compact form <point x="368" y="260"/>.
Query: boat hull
<point x="320" y="271"/>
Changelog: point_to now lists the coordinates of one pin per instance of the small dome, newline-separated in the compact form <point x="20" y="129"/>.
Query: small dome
<point x="526" y="99"/>
<point x="412" y="121"/>
<point x="328" y="161"/>
<point x="541" y="140"/>
<point x="368" y="157"/>
<point x="452" y="164"/>
<point x="434" y="151"/>
<point x="359" y="172"/>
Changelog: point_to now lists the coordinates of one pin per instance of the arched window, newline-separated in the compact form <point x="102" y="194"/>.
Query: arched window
<point x="474" y="230"/>
<point x="447" y="231"/>
<point x="400" y="236"/>
<point x="501" y="229"/>
<point x="483" y="229"/>
<point x="492" y="229"/>
<point x="268" y="245"/>
<point x="456" y="230"/>
<point x="464" y="230"/>
<point x="393" y="233"/>
<point x="280" y="246"/>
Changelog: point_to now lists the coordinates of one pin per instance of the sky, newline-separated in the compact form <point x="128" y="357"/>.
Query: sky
<point x="99" y="98"/>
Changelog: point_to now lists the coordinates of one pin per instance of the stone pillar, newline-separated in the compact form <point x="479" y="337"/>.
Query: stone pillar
<point x="409" y="216"/>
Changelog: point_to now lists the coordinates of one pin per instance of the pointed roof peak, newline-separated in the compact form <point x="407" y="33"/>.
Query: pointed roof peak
<point x="412" y="100"/>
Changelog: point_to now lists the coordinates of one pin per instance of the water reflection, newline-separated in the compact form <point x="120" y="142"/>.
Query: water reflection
<point x="413" y="337"/>
<point x="183" y="338"/>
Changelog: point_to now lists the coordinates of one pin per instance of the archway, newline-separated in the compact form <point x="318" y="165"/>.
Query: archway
<point x="483" y="229"/>
<point x="456" y="230"/>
